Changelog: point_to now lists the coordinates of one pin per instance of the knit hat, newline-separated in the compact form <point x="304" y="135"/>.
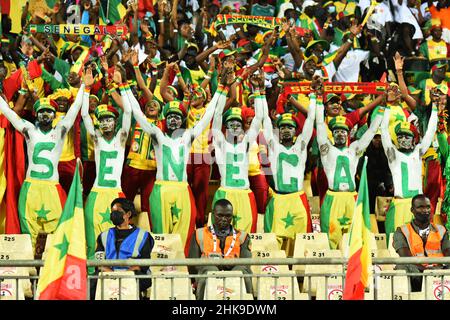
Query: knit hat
<point x="104" y="110"/>
<point x="404" y="127"/>
<point x="174" y="107"/>
<point x="45" y="104"/>
<point x="339" y="122"/>
<point x="232" y="114"/>
<point x="286" y="119"/>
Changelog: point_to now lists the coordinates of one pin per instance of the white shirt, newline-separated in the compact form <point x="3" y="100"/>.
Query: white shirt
<point x="404" y="14"/>
<point x="406" y="169"/>
<point x="348" y="70"/>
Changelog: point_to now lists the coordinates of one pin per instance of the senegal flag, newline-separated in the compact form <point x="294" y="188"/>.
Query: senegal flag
<point x="64" y="274"/>
<point x="111" y="11"/>
<point x="360" y="262"/>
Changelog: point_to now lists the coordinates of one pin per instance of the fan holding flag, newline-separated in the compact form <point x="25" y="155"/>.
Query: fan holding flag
<point x="340" y="162"/>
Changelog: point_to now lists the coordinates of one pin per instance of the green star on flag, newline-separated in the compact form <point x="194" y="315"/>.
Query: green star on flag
<point x="63" y="247"/>
<point x="236" y="219"/>
<point x="288" y="220"/>
<point x="174" y="210"/>
<point x="42" y="213"/>
<point x="106" y="215"/>
<point x="343" y="221"/>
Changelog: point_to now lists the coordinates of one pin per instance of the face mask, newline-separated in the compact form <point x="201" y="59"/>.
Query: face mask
<point x="117" y="217"/>
<point x="422" y="218"/>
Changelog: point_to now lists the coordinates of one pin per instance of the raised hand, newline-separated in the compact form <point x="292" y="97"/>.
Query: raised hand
<point x="117" y="77"/>
<point x="398" y="60"/>
<point x="88" y="77"/>
<point x="104" y="63"/>
<point x="134" y="58"/>
<point x="257" y="80"/>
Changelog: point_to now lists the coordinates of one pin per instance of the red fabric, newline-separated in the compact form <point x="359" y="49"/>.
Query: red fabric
<point x="192" y="223"/>
<point x="198" y="172"/>
<point x="260" y="189"/>
<point x="6" y="6"/>
<point x="66" y="170"/>
<point x="62" y="195"/>
<point x="15" y="174"/>
<point x="144" y="6"/>
<point x="308" y="212"/>
<point x="136" y="179"/>
<point x="354" y="289"/>
<point x="252" y="200"/>
<point x="63" y="288"/>
<point x="434" y="184"/>
<point x="14" y="81"/>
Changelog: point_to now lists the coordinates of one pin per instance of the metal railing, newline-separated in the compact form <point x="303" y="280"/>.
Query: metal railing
<point x="332" y="283"/>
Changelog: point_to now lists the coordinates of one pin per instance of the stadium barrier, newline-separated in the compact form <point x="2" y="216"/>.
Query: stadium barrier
<point x="436" y="284"/>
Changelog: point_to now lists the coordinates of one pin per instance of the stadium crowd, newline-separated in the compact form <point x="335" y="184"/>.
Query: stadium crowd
<point x="176" y="94"/>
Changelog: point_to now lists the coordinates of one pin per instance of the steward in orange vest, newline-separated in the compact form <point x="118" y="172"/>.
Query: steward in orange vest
<point x="421" y="238"/>
<point x="220" y="241"/>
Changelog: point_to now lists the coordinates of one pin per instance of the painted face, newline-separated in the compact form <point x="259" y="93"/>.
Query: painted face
<point x="174" y="121"/>
<point x="405" y="142"/>
<point x="45" y="117"/>
<point x="340" y="137"/>
<point x="287" y="132"/>
<point x="234" y="127"/>
<point x="439" y="73"/>
<point x="334" y="108"/>
<point x="107" y="124"/>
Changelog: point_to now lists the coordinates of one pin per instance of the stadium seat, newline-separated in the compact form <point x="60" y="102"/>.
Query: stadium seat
<point x="264" y="241"/>
<point x="267" y="269"/>
<point x="163" y="254"/>
<point x="304" y="241"/>
<point x="162" y="288"/>
<point x="9" y="290"/>
<point x="380" y="239"/>
<point x="391" y="246"/>
<point x="115" y="289"/>
<point x="279" y="288"/>
<point x="166" y="242"/>
<point x="17" y="243"/>
<point x="141" y="221"/>
<point x="312" y="283"/>
<point x="343" y="244"/>
<point x="225" y="288"/>
<point x="432" y="284"/>
<point x="19" y="247"/>
<point x="383" y="253"/>
<point x="387" y="286"/>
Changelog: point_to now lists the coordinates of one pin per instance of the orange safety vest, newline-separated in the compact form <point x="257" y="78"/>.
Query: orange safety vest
<point x="205" y="241"/>
<point x="433" y="245"/>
